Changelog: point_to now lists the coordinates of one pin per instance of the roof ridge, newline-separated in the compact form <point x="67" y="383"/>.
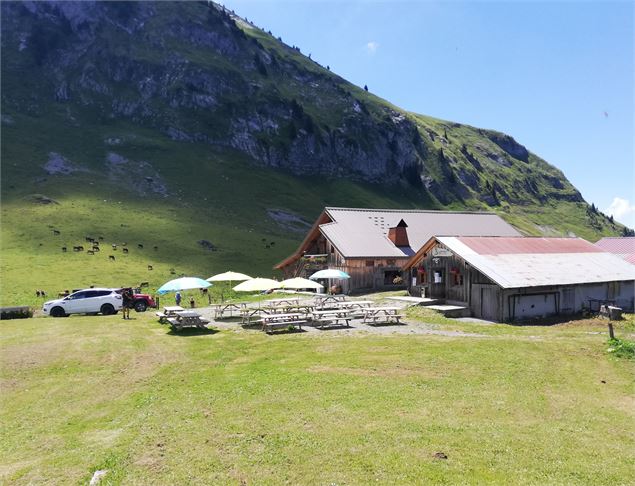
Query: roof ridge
<point x="337" y="208"/>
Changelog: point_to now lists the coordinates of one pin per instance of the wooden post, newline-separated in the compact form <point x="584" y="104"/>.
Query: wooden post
<point x="611" y="333"/>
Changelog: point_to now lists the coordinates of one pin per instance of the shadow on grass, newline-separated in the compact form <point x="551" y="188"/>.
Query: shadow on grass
<point x="192" y="331"/>
<point x="285" y="331"/>
<point x="333" y="327"/>
<point x="553" y="320"/>
<point x="386" y="324"/>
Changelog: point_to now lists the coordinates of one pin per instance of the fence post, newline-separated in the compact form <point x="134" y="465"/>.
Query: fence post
<point x="611" y="333"/>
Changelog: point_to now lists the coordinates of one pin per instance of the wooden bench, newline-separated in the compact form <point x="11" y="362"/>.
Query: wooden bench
<point x="270" y="326"/>
<point x="328" y="321"/>
<point x="162" y="317"/>
<point x="384" y="319"/>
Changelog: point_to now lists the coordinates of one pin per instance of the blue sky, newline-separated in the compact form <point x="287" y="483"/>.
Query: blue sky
<point x="557" y="76"/>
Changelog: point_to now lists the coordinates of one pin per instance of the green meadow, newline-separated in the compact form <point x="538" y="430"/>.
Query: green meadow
<point x="505" y="405"/>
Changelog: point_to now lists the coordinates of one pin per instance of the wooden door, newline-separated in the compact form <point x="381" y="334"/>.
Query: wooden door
<point x="489" y="302"/>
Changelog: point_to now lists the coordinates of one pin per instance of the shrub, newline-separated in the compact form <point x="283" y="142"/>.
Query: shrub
<point x="622" y="348"/>
<point x="16" y="312"/>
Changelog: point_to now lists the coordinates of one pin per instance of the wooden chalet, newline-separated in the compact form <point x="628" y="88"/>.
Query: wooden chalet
<point x="373" y="245"/>
<point x="514" y="278"/>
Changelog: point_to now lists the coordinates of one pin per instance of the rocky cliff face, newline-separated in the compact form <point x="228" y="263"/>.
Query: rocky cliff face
<point x="195" y="73"/>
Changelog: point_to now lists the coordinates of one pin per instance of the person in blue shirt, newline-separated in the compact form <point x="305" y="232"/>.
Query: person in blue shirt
<point x="177" y="297"/>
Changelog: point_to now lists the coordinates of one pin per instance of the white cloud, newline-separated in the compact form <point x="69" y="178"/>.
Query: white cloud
<point x="622" y="210"/>
<point x="372" y="47"/>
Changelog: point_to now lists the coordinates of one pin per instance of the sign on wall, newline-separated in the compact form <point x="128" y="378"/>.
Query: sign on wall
<point x="439" y="251"/>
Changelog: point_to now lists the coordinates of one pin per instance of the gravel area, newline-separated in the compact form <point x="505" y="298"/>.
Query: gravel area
<point x="357" y="327"/>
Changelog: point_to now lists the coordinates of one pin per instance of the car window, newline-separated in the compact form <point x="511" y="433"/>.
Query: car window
<point x="97" y="293"/>
<point x="77" y="295"/>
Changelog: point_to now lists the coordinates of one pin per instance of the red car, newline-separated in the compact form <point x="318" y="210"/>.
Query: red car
<point x="140" y="301"/>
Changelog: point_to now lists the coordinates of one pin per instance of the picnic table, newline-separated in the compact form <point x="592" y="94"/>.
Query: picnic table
<point x="229" y="307"/>
<point x="282" y="321"/>
<point x="286" y="300"/>
<point x="376" y="315"/>
<point x="168" y="311"/>
<point x="187" y="318"/>
<point x="247" y="314"/>
<point x="324" y="299"/>
<point x="332" y="317"/>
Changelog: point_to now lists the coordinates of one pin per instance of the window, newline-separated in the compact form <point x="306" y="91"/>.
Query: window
<point x="392" y="277"/>
<point x="78" y="295"/>
<point x="370" y="263"/>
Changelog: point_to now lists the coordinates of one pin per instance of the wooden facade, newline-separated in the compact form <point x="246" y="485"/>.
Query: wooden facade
<point x="367" y="274"/>
<point x="441" y="274"/>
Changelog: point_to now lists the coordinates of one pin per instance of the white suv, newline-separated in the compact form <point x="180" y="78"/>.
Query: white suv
<point x="90" y="301"/>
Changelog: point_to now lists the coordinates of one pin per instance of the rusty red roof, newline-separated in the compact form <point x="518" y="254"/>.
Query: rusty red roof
<point x="621" y="246"/>
<point x="524" y="245"/>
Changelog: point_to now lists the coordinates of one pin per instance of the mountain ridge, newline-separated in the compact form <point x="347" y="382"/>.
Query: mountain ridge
<point x="183" y="109"/>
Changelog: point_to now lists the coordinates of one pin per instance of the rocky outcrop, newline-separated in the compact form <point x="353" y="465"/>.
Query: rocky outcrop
<point x="194" y="73"/>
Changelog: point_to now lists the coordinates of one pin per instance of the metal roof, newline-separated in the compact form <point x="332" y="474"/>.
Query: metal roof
<point x="364" y="232"/>
<point x="511" y="263"/>
<point x="624" y="247"/>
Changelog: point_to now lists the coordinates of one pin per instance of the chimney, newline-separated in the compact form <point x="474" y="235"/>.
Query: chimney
<point x="398" y="235"/>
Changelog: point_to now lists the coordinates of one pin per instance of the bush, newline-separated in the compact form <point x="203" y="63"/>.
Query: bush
<point x="16" y="312"/>
<point x="622" y="348"/>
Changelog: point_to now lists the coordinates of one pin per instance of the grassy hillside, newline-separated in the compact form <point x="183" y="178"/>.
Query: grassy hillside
<point x="174" y="123"/>
<point x="516" y="405"/>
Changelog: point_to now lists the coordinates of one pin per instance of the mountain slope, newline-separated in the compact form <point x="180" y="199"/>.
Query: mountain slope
<point x="181" y="126"/>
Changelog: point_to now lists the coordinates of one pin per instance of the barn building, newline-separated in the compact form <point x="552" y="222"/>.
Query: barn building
<point x="623" y="247"/>
<point x="372" y="245"/>
<point x="514" y="278"/>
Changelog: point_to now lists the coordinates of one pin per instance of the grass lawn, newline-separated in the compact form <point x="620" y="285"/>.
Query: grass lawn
<point x="520" y="405"/>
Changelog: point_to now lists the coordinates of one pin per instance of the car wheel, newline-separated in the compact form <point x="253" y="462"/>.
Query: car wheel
<point x="58" y="312"/>
<point x="140" y="306"/>
<point x="107" y="309"/>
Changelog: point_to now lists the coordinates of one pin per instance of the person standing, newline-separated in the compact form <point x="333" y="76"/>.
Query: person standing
<point x="127" y="303"/>
<point x="177" y="298"/>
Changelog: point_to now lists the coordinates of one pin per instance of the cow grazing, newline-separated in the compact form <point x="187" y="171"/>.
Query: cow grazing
<point x="96" y="248"/>
<point x="90" y="252"/>
<point x="76" y="248"/>
<point x="125" y="250"/>
<point x="150" y="267"/>
<point x="144" y="284"/>
<point x="156" y="248"/>
<point x="95" y="242"/>
<point x="89" y="239"/>
<point x="64" y="248"/>
<point x="101" y="238"/>
<point x="140" y="246"/>
<point x="114" y="247"/>
<point x="56" y="232"/>
<point x="111" y="257"/>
